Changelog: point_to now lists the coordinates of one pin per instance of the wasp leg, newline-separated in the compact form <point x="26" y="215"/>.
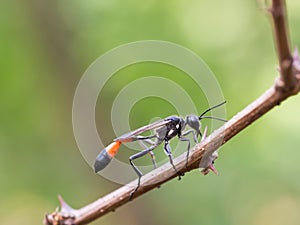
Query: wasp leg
<point x="150" y="152"/>
<point x="153" y="159"/>
<point x="194" y="135"/>
<point x="187" y="139"/>
<point x="168" y="152"/>
<point x="188" y="149"/>
<point x="138" y="172"/>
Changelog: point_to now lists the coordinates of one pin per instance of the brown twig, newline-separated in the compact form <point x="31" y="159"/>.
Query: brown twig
<point x="278" y="11"/>
<point x="287" y="85"/>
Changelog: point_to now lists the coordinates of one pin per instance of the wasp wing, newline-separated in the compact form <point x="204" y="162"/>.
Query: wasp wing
<point x="131" y="136"/>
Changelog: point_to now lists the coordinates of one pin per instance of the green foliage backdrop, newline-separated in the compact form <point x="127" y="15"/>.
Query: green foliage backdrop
<point x="45" y="47"/>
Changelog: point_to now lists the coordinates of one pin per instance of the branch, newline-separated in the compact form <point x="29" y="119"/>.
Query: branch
<point x="278" y="11"/>
<point x="287" y="85"/>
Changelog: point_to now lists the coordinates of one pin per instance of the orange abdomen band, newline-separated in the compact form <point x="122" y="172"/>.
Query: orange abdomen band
<point x="113" y="148"/>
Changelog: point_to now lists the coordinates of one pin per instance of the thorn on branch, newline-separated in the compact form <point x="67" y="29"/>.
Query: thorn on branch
<point x="208" y="159"/>
<point x="294" y="66"/>
<point x="296" y="61"/>
<point x="65" y="216"/>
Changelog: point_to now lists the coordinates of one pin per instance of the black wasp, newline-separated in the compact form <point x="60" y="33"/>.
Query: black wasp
<point x="164" y="131"/>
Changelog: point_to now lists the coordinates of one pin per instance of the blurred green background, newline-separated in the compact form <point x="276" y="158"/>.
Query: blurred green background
<point x="47" y="45"/>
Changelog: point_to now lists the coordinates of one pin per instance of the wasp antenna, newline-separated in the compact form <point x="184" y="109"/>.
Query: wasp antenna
<point x="206" y="111"/>
<point x="215" y="118"/>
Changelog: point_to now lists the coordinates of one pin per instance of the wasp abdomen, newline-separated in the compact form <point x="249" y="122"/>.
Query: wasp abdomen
<point x="106" y="155"/>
